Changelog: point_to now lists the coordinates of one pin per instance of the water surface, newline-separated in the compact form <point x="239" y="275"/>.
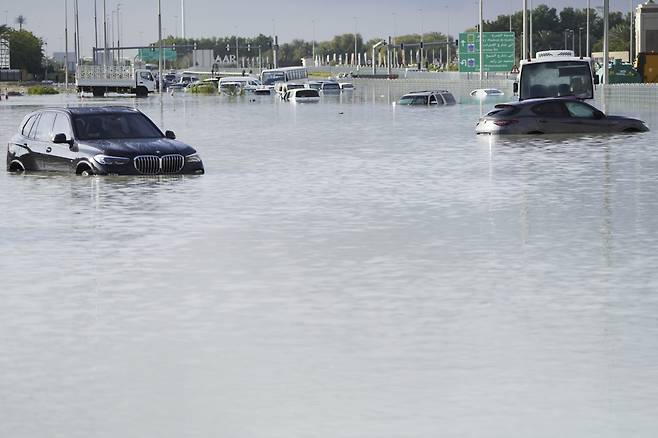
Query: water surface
<point x="345" y="269"/>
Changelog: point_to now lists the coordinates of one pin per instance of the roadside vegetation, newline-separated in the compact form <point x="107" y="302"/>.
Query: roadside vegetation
<point x="41" y="90"/>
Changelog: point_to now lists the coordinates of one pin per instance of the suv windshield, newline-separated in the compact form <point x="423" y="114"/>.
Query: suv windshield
<point x="554" y="79"/>
<point x="413" y="100"/>
<point x="112" y="126"/>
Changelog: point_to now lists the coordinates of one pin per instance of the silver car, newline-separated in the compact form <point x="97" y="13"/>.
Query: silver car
<point x="428" y="98"/>
<point x="553" y="116"/>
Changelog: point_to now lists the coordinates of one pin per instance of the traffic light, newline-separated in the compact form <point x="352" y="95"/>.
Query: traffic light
<point x="249" y="47"/>
<point x="228" y="48"/>
<point x="173" y="47"/>
<point x="401" y="46"/>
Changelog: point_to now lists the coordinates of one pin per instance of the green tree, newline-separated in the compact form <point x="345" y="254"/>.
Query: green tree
<point x="25" y="51"/>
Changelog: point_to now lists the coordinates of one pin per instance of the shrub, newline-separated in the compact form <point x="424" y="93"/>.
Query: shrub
<point x="41" y="89"/>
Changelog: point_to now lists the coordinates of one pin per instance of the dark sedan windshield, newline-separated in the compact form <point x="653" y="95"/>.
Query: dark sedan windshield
<point x="113" y="126"/>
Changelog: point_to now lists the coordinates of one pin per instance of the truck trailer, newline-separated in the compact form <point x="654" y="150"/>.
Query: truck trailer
<point x="99" y="79"/>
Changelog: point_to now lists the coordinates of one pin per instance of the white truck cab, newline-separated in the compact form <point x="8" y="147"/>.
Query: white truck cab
<point x="556" y="73"/>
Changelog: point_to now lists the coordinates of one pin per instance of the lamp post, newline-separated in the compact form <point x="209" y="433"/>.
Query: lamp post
<point x="66" y="45"/>
<point x="421" y="40"/>
<point x="525" y="29"/>
<point x="356" y="21"/>
<point x="573" y="40"/>
<point x="630" y="26"/>
<point x="580" y="42"/>
<point x="606" y="37"/>
<point x="587" y="31"/>
<point x="160" y="47"/>
<point x="481" y="29"/>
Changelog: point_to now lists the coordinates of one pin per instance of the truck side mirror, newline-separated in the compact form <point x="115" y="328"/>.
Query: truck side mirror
<point x="515" y="87"/>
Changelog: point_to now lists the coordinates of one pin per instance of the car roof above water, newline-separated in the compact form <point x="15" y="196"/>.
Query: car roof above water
<point x="92" y="109"/>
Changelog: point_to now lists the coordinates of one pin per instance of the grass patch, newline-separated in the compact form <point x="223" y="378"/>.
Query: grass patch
<point x="202" y="89"/>
<point x="41" y="89"/>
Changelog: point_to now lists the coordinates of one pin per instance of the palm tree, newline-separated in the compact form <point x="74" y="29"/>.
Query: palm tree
<point x="20" y="20"/>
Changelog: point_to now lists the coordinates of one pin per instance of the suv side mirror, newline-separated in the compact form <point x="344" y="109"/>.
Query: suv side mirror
<point x="599" y="115"/>
<point x="515" y="87"/>
<point x="60" y="138"/>
<point x="170" y="135"/>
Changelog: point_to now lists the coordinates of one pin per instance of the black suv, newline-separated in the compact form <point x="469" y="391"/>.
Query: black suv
<point x="98" y="141"/>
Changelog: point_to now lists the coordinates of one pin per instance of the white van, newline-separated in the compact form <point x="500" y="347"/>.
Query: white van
<point x="246" y="83"/>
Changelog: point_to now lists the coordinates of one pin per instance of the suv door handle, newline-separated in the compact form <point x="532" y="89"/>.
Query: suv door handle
<point x="49" y="149"/>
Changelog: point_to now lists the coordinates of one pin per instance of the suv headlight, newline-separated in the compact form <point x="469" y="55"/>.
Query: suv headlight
<point x="193" y="158"/>
<point x="109" y="160"/>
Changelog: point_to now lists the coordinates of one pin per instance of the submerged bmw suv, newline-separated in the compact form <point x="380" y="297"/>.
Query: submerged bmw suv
<point x="98" y="141"/>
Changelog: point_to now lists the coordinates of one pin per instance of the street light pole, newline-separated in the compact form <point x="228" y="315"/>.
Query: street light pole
<point x="481" y="44"/>
<point x="356" y="20"/>
<point x="580" y="42"/>
<point x="630" y="26"/>
<point x="66" y="45"/>
<point x="525" y="29"/>
<point x="421" y="40"/>
<point x="107" y="53"/>
<point x="160" y="46"/>
<point x="95" y="31"/>
<point x="587" y="31"/>
<point x="530" y="30"/>
<point x="606" y="37"/>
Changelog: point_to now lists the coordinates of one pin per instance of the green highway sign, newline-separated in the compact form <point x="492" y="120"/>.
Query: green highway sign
<point x="499" y="51"/>
<point x="151" y="55"/>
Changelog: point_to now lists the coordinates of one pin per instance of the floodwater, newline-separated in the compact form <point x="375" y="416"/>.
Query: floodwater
<point x="344" y="269"/>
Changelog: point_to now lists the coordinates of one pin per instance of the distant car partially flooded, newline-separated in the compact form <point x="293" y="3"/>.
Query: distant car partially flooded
<point x="484" y="93"/>
<point x="428" y="98"/>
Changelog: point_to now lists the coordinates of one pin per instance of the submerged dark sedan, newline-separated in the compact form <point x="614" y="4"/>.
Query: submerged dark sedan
<point x="98" y="141"/>
<point x="553" y="115"/>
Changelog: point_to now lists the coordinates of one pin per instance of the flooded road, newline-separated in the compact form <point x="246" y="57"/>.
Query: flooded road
<point x="345" y="269"/>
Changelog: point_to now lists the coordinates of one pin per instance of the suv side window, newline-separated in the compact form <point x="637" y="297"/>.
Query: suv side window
<point x="62" y="125"/>
<point x="550" y="109"/>
<point x="45" y="126"/>
<point x="33" y="129"/>
<point x="580" y="110"/>
<point x="25" y="132"/>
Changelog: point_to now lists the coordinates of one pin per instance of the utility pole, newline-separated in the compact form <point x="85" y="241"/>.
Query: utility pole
<point x="160" y="46"/>
<point x="182" y="18"/>
<point x="580" y="42"/>
<point x="530" y="31"/>
<point x="525" y="29"/>
<point x="422" y="60"/>
<point x="107" y="53"/>
<point x="356" y="21"/>
<point x="481" y="44"/>
<point x="66" y="45"/>
<point x="606" y="37"/>
<point x="95" y="30"/>
<point x="75" y="32"/>
<point x="630" y="26"/>
<point x="119" y="32"/>
<point x="587" y="32"/>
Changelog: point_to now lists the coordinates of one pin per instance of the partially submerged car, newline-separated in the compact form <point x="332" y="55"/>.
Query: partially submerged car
<point x="98" y="141"/>
<point x="484" y="93"/>
<point x="553" y="115"/>
<point x="302" y="95"/>
<point x="428" y="98"/>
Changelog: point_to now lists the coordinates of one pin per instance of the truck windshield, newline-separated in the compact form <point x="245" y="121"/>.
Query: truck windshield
<point x="554" y="79"/>
<point x="270" y="78"/>
<point x="113" y="126"/>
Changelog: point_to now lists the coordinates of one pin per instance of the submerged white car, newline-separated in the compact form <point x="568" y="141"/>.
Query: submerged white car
<point x="302" y="95"/>
<point x="483" y="93"/>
